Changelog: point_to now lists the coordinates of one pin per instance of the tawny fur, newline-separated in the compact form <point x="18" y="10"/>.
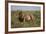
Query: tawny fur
<point x="26" y="17"/>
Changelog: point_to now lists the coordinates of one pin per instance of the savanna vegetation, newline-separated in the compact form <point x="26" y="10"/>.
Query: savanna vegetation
<point x="15" y="23"/>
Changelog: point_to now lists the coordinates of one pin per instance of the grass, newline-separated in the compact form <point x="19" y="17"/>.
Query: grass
<point x="15" y="23"/>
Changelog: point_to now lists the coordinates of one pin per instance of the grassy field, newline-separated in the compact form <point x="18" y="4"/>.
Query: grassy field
<point x="15" y="23"/>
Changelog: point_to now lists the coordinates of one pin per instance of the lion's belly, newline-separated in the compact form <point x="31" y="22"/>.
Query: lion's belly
<point x="28" y="18"/>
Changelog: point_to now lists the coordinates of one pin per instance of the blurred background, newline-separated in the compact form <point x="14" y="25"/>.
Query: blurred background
<point x="34" y="10"/>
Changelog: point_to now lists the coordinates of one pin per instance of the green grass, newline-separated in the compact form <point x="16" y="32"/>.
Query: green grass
<point x="15" y="23"/>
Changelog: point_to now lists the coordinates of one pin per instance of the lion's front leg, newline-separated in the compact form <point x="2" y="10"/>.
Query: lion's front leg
<point x="24" y="19"/>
